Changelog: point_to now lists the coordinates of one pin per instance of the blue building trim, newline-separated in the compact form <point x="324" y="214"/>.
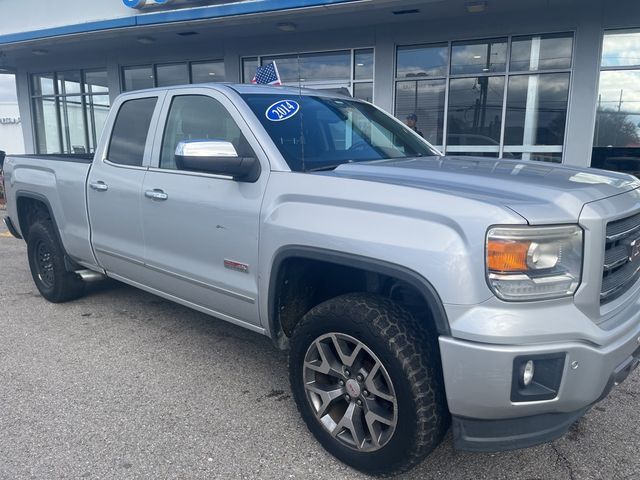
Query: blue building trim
<point x="156" y="18"/>
<point x="68" y="30"/>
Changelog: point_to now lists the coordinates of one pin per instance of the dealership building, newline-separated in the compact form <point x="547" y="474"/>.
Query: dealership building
<point x="549" y="80"/>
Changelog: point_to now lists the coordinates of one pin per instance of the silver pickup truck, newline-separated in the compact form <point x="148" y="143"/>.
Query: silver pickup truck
<point x="414" y="291"/>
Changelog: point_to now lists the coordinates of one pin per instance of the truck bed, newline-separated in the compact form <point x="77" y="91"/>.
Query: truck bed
<point x="60" y="181"/>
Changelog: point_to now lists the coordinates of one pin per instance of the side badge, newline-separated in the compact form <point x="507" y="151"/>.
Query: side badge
<point x="282" y="110"/>
<point x="237" y="266"/>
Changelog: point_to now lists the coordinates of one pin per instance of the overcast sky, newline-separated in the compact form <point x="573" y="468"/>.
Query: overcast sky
<point x="7" y="89"/>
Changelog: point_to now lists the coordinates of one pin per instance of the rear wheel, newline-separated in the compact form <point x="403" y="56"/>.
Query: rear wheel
<point x="366" y="380"/>
<point x="46" y="262"/>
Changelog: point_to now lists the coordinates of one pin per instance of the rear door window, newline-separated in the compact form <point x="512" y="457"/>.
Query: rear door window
<point x="130" y="131"/>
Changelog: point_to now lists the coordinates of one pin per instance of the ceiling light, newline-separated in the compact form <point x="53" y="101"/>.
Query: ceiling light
<point x="287" y="26"/>
<point x="359" y="64"/>
<point x="40" y="51"/>
<point x="212" y="74"/>
<point x="476" y="7"/>
<point x="477" y="56"/>
<point x="146" y="40"/>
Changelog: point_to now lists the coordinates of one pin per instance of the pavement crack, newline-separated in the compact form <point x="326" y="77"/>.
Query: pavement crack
<point x="561" y="458"/>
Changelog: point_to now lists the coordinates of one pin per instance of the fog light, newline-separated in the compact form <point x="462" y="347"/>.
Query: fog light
<point x="537" y="377"/>
<point x="527" y="373"/>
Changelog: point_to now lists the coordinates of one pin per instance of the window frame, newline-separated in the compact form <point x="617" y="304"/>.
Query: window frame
<point x="506" y="74"/>
<point x="352" y="52"/>
<point x="163" y="118"/>
<point x="621" y="151"/>
<point x="154" y="71"/>
<point x="151" y="133"/>
<point x="91" y="137"/>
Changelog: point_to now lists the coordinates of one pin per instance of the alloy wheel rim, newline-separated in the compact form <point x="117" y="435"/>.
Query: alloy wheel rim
<point x="44" y="265"/>
<point x="350" y="392"/>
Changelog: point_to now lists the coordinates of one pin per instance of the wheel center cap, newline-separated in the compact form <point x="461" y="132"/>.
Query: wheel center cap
<point x="353" y="388"/>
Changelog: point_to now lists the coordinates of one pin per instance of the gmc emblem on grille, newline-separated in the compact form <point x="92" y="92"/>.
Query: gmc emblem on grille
<point x="634" y="250"/>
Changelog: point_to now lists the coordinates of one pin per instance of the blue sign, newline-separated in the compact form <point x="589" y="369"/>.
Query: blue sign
<point x="282" y="110"/>
<point x="138" y="4"/>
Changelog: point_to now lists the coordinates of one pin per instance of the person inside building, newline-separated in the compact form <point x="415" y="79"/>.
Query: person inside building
<point x="412" y="123"/>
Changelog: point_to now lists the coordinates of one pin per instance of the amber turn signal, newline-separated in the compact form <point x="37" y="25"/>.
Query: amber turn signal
<point x="507" y="256"/>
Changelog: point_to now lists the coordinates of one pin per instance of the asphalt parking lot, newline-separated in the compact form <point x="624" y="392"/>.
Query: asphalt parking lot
<point x="122" y="384"/>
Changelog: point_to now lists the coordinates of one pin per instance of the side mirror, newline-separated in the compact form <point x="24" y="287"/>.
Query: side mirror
<point x="217" y="157"/>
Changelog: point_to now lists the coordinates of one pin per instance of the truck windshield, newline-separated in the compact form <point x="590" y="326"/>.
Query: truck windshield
<point x="320" y="133"/>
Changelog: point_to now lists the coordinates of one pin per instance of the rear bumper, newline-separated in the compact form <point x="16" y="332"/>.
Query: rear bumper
<point x="11" y="228"/>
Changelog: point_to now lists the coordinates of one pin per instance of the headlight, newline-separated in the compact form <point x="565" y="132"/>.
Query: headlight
<point x="534" y="263"/>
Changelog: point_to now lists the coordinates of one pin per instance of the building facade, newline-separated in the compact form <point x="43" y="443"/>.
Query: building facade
<point x="555" y="80"/>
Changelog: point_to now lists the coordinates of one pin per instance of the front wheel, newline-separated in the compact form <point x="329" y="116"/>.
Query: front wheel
<point x="366" y="381"/>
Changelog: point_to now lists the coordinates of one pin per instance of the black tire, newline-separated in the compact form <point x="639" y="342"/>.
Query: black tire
<point x="46" y="262"/>
<point x="410" y="357"/>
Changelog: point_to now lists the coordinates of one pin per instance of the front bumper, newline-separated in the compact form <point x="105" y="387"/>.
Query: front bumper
<point x="479" y="384"/>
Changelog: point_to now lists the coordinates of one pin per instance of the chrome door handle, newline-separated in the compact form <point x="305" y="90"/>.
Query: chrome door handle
<point x="156" y="194"/>
<point x="99" y="186"/>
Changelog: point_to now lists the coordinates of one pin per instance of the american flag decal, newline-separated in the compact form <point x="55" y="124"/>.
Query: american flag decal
<point x="267" y="75"/>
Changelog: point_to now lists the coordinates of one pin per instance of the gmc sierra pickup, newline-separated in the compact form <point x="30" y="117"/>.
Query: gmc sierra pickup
<point x="412" y="290"/>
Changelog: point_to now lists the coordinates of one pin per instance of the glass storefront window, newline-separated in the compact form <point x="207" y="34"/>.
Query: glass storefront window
<point x="618" y="114"/>
<point x="536" y="109"/>
<point x="138" y="78"/>
<point x="363" y="64"/>
<point x="342" y="71"/>
<point x="169" y="74"/>
<point x="465" y="112"/>
<point x="475" y="112"/>
<point x="172" y="74"/>
<point x="42" y="84"/>
<point x="312" y="67"/>
<point x="537" y="52"/>
<point x="47" y="125"/>
<point x="479" y="57"/>
<point x="363" y="91"/>
<point x="96" y="82"/>
<point x="69" y="83"/>
<point x="621" y="49"/>
<point x="422" y="61"/>
<point x="249" y="66"/>
<point x="616" y="139"/>
<point x="70" y="116"/>
<point x="425" y="99"/>
<point x="74" y="133"/>
<point x="203" y="72"/>
<point x="97" y="107"/>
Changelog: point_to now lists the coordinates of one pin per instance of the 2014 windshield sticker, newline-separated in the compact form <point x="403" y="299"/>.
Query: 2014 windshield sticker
<point x="282" y="110"/>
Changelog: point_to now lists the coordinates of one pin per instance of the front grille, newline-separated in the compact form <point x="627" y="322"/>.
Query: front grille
<point x="619" y="270"/>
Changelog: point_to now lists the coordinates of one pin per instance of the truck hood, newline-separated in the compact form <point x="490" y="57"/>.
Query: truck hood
<point x="539" y="192"/>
